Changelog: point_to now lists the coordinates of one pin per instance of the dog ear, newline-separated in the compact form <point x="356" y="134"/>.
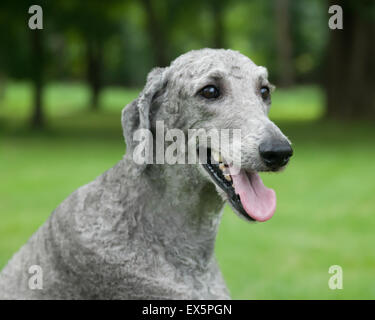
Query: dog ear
<point x="136" y="115"/>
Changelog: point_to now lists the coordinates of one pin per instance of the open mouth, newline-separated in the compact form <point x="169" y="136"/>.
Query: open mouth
<point x="245" y="190"/>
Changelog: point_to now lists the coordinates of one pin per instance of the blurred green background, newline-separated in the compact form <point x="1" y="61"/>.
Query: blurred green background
<point x="62" y="90"/>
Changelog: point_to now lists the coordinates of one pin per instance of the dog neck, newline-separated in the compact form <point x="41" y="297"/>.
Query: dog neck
<point x="179" y="212"/>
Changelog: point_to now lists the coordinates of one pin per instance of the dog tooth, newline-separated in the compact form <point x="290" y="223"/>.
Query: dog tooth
<point x="216" y="155"/>
<point x="227" y="177"/>
<point x="221" y="166"/>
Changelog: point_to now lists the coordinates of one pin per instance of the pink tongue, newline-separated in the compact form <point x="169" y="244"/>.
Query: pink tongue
<point x="258" y="201"/>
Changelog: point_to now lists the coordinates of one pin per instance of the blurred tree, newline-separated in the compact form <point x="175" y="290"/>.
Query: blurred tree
<point x="94" y="48"/>
<point x="176" y="26"/>
<point x="157" y="31"/>
<point x="350" y="71"/>
<point x="30" y="62"/>
<point x="218" y="8"/>
<point x="37" y="76"/>
<point x="310" y="36"/>
<point x="163" y="19"/>
<point x="284" y="43"/>
<point x="96" y="24"/>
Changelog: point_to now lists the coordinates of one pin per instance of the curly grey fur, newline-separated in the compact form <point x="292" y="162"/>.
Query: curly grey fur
<point x="149" y="231"/>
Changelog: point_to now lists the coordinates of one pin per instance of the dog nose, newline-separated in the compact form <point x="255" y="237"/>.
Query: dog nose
<point x="275" y="154"/>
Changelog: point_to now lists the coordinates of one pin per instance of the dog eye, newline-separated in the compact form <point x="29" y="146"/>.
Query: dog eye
<point x="210" y="92"/>
<point x="265" y="92"/>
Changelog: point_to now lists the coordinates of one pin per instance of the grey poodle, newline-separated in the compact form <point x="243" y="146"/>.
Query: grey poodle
<point x="147" y="231"/>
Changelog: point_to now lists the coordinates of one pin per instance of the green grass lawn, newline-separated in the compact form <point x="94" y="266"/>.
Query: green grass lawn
<point x="326" y="207"/>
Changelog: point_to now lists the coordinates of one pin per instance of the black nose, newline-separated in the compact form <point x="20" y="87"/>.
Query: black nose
<point x="275" y="154"/>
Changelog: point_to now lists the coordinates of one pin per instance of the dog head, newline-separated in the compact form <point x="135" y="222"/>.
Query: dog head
<point x="218" y="90"/>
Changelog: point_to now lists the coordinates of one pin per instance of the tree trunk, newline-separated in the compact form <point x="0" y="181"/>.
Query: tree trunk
<point x="94" y="72"/>
<point x="37" y="53"/>
<point x="284" y="46"/>
<point x="350" y="79"/>
<point x="218" y="24"/>
<point x="156" y="34"/>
